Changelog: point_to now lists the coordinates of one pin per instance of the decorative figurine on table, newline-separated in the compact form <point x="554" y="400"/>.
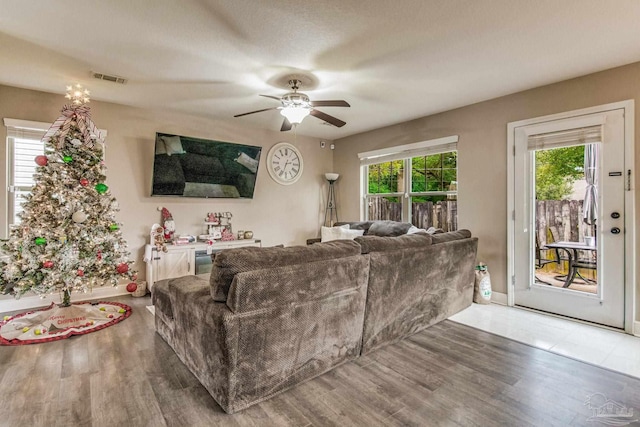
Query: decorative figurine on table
<point x="168" y="224"/>
<point x="157" y="238"/>
<point x="227" y="235"/>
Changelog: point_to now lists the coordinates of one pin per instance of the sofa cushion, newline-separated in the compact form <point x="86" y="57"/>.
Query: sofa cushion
<point x="383" y="244"/>
<point x="172" y="144"/>
<point x="388" y="228"/>
<point x="230" y="262"/>
<point x="450" y="236"/>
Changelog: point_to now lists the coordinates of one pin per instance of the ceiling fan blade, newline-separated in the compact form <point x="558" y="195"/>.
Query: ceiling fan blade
<point x="257" y="111"/>
<point x="286" y="125"/>
<point x="327" y="118"/>
<point x="277" y="98"/>
<point x="330" y="104"/>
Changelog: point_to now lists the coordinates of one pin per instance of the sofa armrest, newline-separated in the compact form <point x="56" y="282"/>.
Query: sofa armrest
<point x="312" y="241"/>
<point x="295" y="284"/>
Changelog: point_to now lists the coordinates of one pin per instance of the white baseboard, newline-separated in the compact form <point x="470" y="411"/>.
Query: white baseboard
<point x="636" y="328"/>
<point x="499" y="298"/>
<point x="9" y="303"/>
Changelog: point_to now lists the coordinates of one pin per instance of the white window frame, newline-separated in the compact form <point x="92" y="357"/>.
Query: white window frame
<point x="24" y="129"/>
<point x="406" y="153"/>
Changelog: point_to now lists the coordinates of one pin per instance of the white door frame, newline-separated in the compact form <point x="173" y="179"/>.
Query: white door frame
<point x="629" y="199"/>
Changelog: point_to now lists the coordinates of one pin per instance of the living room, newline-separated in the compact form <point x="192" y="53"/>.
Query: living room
<point x="564" y="74"/>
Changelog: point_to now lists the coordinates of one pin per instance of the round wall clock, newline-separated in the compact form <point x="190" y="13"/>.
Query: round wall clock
<point x="284" y="163"/>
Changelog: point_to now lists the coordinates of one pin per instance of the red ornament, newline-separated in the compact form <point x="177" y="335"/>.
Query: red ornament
<point x="41" y="160"/>
<point x="84" y="182"/>
<point x="99" y="256"/>
<point x="47" y="264"/>
<point x="131" y="287"/>
<point x="80" y="272"/>
<point x="122" y="268"/>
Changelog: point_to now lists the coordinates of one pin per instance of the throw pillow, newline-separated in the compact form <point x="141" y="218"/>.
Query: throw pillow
<point x="173" y="144"/>
<point x="160" y="147"/>
<point x="416" y="230"/>
<point x="388" y="228"/>
<point x="339" y="233"/>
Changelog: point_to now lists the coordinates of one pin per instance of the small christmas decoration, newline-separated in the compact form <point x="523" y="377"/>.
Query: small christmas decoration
<point x="6" y="318"/>
<point x="67" y="159"/>
<point x="99" y="255"/>
<point x="227" y="235"/>
<point x="122" y="310"/>
<point x="84" y="182"/>
<point x="39" y="241"/>
<point x="122" y="268"/>
<point x="113" y="227"/>
<point x="168" y="224"/>
<point x="101" y="188"/>
<point x="80" y="272"/>
<point x="25" y="329"/>
<point x="79" y="217"/>
<point x="76" y="142"/>
<point x="131" y="287"/>
<point x="47" y="264"/>
<point x="41" y="160"/>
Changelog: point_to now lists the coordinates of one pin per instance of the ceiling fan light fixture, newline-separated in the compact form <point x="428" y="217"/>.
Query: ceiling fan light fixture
<point x="295" y="114"/>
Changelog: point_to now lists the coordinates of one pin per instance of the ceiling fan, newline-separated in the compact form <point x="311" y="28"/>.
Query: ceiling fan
<point x="297" y="105"/>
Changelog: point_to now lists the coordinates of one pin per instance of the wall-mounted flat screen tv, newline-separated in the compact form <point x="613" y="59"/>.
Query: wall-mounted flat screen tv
<point x="194" y="167"/>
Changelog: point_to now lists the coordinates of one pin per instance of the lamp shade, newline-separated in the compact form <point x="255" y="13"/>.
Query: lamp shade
<point x="295" y="114"/>
<point x="331" y="176"/>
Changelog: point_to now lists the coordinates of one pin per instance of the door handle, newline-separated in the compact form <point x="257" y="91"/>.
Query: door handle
<point x="615" y="215"/>
<point x="615" y="230"/>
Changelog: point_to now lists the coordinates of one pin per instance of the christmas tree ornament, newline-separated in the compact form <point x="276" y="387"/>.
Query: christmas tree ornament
<point x="25" y="329"/>
<point x="79" y="217"/>
<point x="101" y="188"/>
<point x="80" y="272"/>
<point x="67" y="159"/>
<point x="84" y="182"/>
<point x="131" y="287"/>
<point x="47" y="264"/>
<point x="122" y="268"/>
<point x="39" y="241"/>
<point x="76" y="142"/>
<point x="113" y="227"/>
<point x="99" y="255"/>
<point x="41" y="160"/>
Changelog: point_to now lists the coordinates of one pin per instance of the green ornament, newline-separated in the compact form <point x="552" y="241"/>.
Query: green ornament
<point x="67" y="159"/>
<point x="114" y="227"/>
<point x="101" y="188"/>
<point x="40" y="241"/>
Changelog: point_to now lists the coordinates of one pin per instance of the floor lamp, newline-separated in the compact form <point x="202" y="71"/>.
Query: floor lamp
<point x="331" y="200"/>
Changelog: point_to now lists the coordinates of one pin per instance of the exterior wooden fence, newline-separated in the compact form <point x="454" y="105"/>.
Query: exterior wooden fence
<point x="561" y="220"/>
<point x="442" y="214"/>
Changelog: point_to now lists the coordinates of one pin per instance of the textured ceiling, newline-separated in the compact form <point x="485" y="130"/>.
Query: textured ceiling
<point x="392" y="61"/>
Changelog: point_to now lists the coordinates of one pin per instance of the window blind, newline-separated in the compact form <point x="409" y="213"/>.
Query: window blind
<point x="426" y="148"/>
<point x="565" y="138"/>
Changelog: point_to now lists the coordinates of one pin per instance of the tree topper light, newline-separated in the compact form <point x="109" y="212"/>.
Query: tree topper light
<point x="77" y="94"/>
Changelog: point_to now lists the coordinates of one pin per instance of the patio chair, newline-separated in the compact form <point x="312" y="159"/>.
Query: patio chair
<point x="541" y="261"/>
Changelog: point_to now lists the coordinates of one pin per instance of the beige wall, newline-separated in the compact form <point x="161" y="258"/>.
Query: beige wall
<point x="482" y="168"/>
<point x="277" y="214"/>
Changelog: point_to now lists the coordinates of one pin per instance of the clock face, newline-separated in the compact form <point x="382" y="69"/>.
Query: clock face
<point x="284" y="163"/>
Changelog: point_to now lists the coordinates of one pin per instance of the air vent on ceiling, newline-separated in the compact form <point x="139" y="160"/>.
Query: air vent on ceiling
<point x="107" y="77"/>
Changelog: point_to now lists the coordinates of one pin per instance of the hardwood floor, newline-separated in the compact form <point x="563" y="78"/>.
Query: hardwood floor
<point x="449" y="374"/>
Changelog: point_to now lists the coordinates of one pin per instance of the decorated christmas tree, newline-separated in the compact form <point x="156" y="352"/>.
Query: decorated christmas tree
<point x="68" y="238"/>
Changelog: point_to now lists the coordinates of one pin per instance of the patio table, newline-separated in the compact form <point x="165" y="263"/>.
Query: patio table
<point x="571" y="249"/>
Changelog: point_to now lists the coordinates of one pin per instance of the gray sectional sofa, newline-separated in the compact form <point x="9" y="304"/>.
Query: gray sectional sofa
<point x="270" y="318"/>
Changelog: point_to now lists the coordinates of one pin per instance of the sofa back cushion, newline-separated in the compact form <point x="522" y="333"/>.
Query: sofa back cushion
<point x="450" y="236"/>
<point x="230" y="262"/>
<point x="383" y="244"/>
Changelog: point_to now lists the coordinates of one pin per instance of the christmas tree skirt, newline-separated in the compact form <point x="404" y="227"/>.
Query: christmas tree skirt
<point x="56" y="323"/>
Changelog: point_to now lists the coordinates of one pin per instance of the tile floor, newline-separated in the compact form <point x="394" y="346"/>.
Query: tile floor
<point x="602" y="347"/>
